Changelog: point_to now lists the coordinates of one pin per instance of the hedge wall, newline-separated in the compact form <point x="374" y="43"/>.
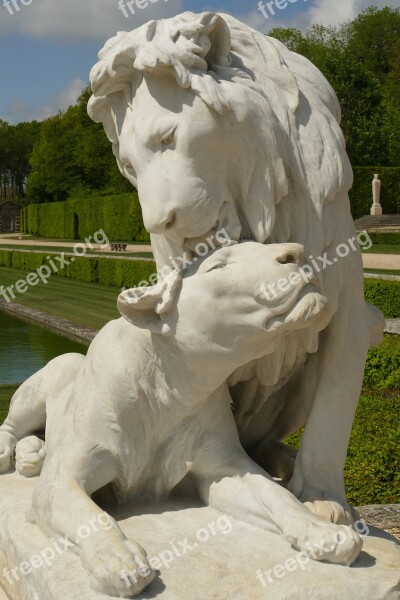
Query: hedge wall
<point x="77" y="218"/>
<point x="385" y="295"/>
<point x="108" y="271"/>
<point x="387" y="238"/>
<point x="361" y="192"/>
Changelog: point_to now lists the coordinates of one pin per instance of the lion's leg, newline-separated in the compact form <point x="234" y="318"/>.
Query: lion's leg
<point x="276" y="458"/>
<point x="63" y="508"/>
<point x="318" y="473"/>
<point x="27" y="412"/>
<point x="231" y="482"/>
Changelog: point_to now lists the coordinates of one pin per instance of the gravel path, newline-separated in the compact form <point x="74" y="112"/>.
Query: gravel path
<point x="5" y="240"/>
<point x="381" y="261"/>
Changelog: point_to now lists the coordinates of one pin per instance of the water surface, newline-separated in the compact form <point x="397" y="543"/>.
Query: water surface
<point x="26" y="347"/>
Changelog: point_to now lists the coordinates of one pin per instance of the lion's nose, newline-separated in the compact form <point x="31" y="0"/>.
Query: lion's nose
<point x="292" y="254"/>
<point x="161" y="225"/>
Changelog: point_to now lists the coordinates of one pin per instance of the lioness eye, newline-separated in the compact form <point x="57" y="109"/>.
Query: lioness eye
<point x="168" y="139"/>
<point x="215" y="267"/>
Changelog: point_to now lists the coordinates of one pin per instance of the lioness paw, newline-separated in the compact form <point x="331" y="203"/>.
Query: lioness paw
<point x="29" y="456"/>
<point x="7" y="451"/>
<point x="117" y="567"/>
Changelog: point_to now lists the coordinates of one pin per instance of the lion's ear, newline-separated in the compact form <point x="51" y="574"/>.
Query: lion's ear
<point x="210" y="34"/>
<point x="144" y="306"/>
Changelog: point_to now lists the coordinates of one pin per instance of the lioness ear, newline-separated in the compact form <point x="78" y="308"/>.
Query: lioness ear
<point x="144" y="306"/>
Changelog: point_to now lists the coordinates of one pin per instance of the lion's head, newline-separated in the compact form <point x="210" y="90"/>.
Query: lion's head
<point x="220" y="126"/>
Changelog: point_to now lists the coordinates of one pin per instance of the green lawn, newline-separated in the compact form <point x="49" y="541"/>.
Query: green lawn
<point x="90" y="304"/>
<point x="6" y="392"/>
<point x="383" y="249"/>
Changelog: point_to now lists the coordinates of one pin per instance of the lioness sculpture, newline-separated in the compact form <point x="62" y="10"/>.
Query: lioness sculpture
<point x="139" y="413"/>
<point x="219" y="126"/>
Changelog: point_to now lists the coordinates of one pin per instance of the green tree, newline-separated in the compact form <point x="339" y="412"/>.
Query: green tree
<point x="361" y="60"/>
<point x="73" y="156"/>
<point x="16" y="143"/>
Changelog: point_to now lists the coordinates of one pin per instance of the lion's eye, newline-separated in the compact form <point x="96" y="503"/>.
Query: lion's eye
<point x="169" y="138"/>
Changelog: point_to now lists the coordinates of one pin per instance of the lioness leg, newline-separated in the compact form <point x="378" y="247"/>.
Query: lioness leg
<point x="27" y="412"/>
<point x="62" y="507"/>
<point x="318" y="473"/>
<point x="231" y="482"/>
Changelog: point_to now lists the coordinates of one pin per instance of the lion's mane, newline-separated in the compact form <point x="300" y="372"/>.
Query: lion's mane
<point x="294" y="182"/>
<point x="306" y="165"/>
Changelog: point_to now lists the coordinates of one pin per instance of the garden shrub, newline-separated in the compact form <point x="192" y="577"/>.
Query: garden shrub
<point x="382" y="369"/>
<point x="385" y="295"/>
<point x="372" y="469"/>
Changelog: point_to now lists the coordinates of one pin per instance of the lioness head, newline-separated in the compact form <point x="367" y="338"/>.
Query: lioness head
<point x="222" y="305"/>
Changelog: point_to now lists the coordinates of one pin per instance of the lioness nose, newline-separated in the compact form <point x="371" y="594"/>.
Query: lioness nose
<point x="291" y="254"/>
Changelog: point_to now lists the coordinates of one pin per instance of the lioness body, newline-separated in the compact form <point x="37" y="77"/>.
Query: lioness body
<point x="150" y="403"/>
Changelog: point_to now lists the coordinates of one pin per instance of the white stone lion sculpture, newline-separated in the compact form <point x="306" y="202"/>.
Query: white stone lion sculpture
<point x="219" y="126"/>
<point x="138" y="413"/>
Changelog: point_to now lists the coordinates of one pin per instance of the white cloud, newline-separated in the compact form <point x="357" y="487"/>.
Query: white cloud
<point x="82" y="19"/>
<point x="18" y="110"/>
<point x="323" y="12"/>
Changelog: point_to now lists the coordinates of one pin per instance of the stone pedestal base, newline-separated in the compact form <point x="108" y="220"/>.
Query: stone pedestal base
<point x="376" y="210"/>
<point x="202" y="555"/>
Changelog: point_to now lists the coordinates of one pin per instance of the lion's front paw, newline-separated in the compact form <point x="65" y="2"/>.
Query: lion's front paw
<point x="322" y="542"/>
<point x="29" y="456"/>
<point x="7" y="451"/>
<point x="334" y="511"/>
<point x="325" y="504"/>
<point x="117" y="567"/>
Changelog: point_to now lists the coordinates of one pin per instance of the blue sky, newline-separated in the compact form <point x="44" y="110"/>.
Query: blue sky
<point x="47" y="47"/>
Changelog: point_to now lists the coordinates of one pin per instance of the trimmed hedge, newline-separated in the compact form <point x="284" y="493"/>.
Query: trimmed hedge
<point x="385" y="295"/>
<point x="78" y="218"/>
<point x="108" y="271"/>
<point x="388" y="238"/>
<point x="361" y="192"/>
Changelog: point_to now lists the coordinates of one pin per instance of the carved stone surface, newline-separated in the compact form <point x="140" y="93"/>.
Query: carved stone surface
<point x="229" y="138"/>
<point x="222" y="566"/>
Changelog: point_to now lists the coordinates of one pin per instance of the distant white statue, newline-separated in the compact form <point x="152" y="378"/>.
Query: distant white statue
<point x="376" y="208"/>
